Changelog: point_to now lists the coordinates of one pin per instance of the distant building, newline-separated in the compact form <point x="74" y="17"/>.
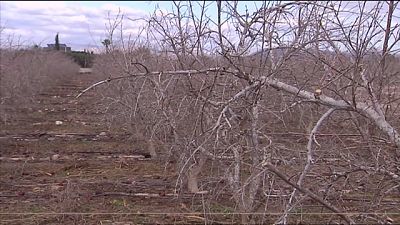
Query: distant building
<point x="63" y="47"/>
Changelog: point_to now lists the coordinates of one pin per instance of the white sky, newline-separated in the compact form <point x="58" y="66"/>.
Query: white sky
<point x="80" y="24"/>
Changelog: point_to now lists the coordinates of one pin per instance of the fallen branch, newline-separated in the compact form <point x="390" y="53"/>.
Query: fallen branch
<point x="147" y="194"/>
<point x="380" y="170"/>
<point x="129" y="194"/>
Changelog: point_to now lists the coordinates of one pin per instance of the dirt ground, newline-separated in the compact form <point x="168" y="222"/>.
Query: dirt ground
<point x="77" y="172"/>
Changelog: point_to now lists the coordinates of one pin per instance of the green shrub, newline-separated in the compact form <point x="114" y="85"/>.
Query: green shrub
<point x="82" y="58"/>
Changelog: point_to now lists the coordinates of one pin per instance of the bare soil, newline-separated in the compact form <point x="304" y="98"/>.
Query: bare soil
<point x="79" y="172"/>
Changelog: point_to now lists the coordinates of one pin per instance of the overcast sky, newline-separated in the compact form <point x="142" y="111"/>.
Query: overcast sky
<point x="81" y="25"/>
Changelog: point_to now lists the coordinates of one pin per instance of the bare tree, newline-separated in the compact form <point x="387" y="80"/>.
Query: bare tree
<point x="290" y="103"/>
